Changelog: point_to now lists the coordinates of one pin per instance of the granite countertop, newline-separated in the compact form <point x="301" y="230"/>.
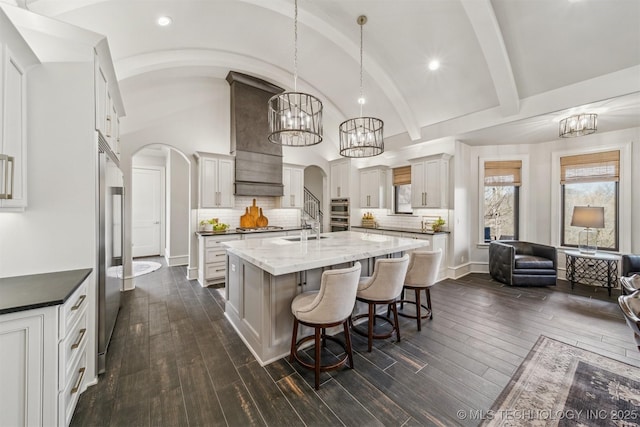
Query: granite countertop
<point x="235" y="231"/>
<point x="402" y="230"/>
<point x="283" y="255"/>
<point x="21" y="293"/>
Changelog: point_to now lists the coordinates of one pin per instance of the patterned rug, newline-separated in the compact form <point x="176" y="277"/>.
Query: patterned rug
<point x="560" y="385"/>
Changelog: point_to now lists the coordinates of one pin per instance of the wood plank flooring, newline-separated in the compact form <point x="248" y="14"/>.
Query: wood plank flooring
<point x="174" y="360"/>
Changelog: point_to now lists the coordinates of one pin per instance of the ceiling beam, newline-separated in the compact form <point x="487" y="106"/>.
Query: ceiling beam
<point x="484" y="23"/>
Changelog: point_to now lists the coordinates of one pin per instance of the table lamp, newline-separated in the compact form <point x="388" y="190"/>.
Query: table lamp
<point x="590" y="218"/>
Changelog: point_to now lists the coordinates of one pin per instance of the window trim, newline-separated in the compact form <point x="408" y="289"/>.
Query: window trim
<point x="523" y="195"/>
<point x="624" y="191"/>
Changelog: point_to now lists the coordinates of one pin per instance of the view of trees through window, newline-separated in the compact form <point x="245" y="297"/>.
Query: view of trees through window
<point x="500" y="212"/>
<point x="591" y="194"/>
<point x="403" y="198"/>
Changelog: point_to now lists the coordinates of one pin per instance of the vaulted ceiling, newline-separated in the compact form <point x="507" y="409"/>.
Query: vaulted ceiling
<point x="510" y="69"/>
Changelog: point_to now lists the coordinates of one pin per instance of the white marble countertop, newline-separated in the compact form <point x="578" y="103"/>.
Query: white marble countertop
<point x="283" y="255"/>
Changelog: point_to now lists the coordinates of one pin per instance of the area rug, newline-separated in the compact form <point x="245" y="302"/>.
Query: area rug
<point x="139" y="268"/>
<point x="560" y="385"/>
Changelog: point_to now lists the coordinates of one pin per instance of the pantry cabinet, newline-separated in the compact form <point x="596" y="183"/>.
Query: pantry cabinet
<point x="216" y="176"/>
<point x="430" y="182"/>
<point x="293" y="192"/>
<point x="107" y="118"/>
<point x="340" y="179"/>
<point x="373" y="187"/>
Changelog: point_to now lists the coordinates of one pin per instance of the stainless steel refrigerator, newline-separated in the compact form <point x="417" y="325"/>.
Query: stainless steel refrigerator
<point x="110" y="249"/>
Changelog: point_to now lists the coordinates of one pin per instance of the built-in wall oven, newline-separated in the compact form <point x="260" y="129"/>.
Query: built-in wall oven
<point x="339" y="219"/>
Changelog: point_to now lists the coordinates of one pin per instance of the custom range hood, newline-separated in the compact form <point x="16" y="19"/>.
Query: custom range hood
<point x="258" y="161"/>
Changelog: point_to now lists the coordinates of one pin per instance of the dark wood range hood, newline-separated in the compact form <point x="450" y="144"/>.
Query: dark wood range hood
<point x="258" y="161"/>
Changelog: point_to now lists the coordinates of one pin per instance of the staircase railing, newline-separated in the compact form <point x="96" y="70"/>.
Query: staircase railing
<point x="309" y="196"/>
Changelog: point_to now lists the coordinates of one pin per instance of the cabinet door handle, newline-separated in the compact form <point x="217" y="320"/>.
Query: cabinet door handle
<point x="108" y="130"/>
<point x="338" y="191"/>
<point x="220" y="254"/>
<point x="76" y="387"/>
<point x="293" y="200"/>
<point x="220" y="269"/>
<point x="79" y="302"/>
<point x="7" y="192"/>
<point x="80" y="338"/>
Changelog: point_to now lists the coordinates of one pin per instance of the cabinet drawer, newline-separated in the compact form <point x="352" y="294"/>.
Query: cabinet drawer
<point x="214" y="241"/>
<point x="71" y="310"/>
<point x="215" y="271"/>
<point x="70" y="349"/>
<point x="215" y="255"/>
<point x="68" y="398"/>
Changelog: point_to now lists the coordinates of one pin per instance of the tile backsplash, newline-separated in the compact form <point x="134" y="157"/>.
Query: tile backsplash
<point x="413" y="221"/>
<point x="281" y="217"/>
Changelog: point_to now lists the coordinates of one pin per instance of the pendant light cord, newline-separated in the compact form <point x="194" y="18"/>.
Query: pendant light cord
<point x="295" y="47"/>
<point x="361" y="100"/>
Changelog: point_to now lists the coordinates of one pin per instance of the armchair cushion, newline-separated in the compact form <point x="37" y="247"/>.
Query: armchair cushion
<point x="523" y="263"/>
<point x="630" y="265"/>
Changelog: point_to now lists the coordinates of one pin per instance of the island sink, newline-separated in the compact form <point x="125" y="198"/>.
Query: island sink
<point x="298" y="238"/>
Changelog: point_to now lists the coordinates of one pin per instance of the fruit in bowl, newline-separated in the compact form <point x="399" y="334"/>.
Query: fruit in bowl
<point x="219" y="226"/>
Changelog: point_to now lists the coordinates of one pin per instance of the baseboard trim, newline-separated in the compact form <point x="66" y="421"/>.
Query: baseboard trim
<point x="174" y="261"/>
<point x="129" y="284"/>
<point x="192" y="273"/>
<point x="462" y="270"/>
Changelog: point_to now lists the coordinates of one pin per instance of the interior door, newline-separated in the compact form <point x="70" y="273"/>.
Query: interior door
<point x="146" y="211"/>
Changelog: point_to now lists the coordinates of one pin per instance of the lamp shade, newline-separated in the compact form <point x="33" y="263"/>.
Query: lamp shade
<point x="588" y="216"/>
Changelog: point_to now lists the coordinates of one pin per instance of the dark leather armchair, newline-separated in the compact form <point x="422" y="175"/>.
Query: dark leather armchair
<point x="630" y="265"/>
<point x="523" y="263"/>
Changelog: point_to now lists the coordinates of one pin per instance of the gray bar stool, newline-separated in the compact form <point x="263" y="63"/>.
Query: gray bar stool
<point x="383" y="287"/>
<point x="421" y="275"/>
<point x="331" y="306"/>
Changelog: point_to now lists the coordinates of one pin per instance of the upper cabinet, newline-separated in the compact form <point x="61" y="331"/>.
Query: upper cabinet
<point x="430" y="182"/>
<point x="107" y="95"/>
<point x="16" y="57"/>
<point x="340" y="179"/>
<point x="216" y="175"/>
<point x="373" y="187"/>
<point x="293" y="180"/>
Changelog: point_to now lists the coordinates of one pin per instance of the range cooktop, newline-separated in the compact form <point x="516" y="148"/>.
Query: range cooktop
<point x="254" y="229"/>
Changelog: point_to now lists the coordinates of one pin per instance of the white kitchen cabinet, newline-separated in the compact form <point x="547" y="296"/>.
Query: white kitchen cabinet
<point x="436" y="242"/>
<point x="212" y="260"/>
<point x="430" y="182"/>
<point x="340" y="179"/>
<point x="15" y="57"/>
<point x="216" y="176"/>
<point x="373" y="187"/>
<point x="44" y="360"/>
<point x="293" y="181"/>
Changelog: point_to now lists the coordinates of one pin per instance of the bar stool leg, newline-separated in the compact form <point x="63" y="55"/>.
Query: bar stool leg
<point x="372" y="313"/>
<point x="428" y="292"/>
<point x="293" y="339"/>
<point x="418" y="309"/>
<point x="347" y="341"/>
<point x="395" y="320"/>
<point x="317" y="361"/>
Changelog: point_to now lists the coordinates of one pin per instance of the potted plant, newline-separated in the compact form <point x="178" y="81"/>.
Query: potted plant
<point x="437" y="224"/>
<point x="207" y="224"/>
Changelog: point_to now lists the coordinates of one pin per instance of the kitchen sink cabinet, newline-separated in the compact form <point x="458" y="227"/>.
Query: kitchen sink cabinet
<point x="430" y="182"/>
<point x="15" y="58"/>
<point x="44" y="360"/>
<point x="340" y="179"/>
<point x="373" y="187"/>
<point x="216" y="177"/>
<point x="293" y="180"/>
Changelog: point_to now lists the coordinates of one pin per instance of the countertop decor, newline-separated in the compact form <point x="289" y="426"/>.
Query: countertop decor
<point x="32" y="291"/>
<point x="403" y="230"/>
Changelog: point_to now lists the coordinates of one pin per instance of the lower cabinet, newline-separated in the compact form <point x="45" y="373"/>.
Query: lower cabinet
<point x="43" y="354"/>
<point x="212" y="265"/>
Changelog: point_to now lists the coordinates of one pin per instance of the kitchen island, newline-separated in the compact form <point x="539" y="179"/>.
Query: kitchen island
<point x="264" y="275"/>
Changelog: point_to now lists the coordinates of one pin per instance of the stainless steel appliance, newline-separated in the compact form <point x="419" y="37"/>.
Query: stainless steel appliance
<point x="339" y="219"/>
<point x="110" y="248"/>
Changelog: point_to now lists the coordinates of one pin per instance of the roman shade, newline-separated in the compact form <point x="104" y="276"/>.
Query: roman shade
<point x="502" y="173"/>
<point x="402" y="175"/>
<point x="591" y="167"/>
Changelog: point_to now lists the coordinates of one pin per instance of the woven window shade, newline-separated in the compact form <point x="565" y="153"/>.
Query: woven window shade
<point x="502" y="173"/>
<point x="402" y="175"/>
<point x="590" y="167"/>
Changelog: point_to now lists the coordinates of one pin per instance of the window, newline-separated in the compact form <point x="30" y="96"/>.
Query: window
<point x="402" y="190"/>
<point x="591" y="180"/>
<point x="501" y="199"/>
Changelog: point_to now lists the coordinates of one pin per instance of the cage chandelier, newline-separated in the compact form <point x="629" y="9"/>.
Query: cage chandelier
<point x="578" y="125"/>
<point x="361" y="136"/>
<point x="295" y="118"/>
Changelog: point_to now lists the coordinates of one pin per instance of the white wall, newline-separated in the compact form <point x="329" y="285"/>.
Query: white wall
<point x="178" y="210"/>
<point x="541" y="187"/>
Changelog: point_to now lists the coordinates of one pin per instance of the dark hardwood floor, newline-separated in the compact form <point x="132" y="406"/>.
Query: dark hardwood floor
<point x="175" y="361"/>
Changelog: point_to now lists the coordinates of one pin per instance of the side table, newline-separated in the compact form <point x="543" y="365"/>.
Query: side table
<point x="599" y="268"/>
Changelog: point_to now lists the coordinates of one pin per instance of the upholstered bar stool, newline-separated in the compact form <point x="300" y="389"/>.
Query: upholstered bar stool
<point x="331" y="306"/>
<point x="383" y="287"/>
<point x="421" y="275"/>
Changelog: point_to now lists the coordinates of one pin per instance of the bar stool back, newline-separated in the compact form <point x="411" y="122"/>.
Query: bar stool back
<point x="331" y="306"/>
<point x="383" y="287"/>
<point x="421" y="275"/>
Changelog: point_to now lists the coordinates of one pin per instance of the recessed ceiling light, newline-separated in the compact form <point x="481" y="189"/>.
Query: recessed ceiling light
<point x="434" y="64"/>
<point x="164" y="21"/>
